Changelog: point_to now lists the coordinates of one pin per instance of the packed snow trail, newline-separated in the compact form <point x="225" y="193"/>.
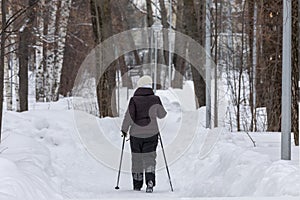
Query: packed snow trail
<point x="77" y="171"/>
<point x="56" y="154"/>
<point x="101" y="140"/>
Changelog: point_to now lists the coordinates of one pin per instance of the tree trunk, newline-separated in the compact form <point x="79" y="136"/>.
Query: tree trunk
<point x="149" y="24"/>
<point x="42" y="22"/>
<point x="102" y="26"/>
<point x="40" y="75"/>
<point x="50" y="51"/>
<point x="241" y="70"/>
<point x="165" y="34"/>
<point x="149" y="13"/>
<point x="249" y="30"/>
<point x="24" y="53"/>
<point x="216" y="67"/>
<point x="26" y="42"/>
<point x="62" y="20"/>
<point x="194" y="27"/>
<point x="8" y="81"/>
<point x="295" y="69"/>
<point x="261" y="62"/>
<point x="79" y="42"/>
<point x="179" y="63"/>
<point x="15" y="78"/>
<point x="2" y="52"/>
<point x="8" y="84"/>
<point x="126" y="80"/>
<point x="199" y="83"/>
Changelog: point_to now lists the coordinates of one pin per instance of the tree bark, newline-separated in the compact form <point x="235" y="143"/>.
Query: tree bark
<point x="62" y="19"/>
<point x="149" y="24"/>
<point x="249" y="30"/>
<point x="194" y="27"/>
<point x="102" y="26"/>
<point x="50" y="48"/>
<point x="149" y="13"/>
<point x="2" y="52"/>
<point x="199" y="83"/>
<point x="15" y="71"/>
<point x="8" y="75"/>
<point x="179" y="63"/>
<point x="26" y="42"/>
<point x="79" y="42"/>
<point x="24" y="54"/>
<point x="40" y="74"/>
<point x="241" y="70"/>
<point x="165" y="34"/>
<point x="295" y="69"/>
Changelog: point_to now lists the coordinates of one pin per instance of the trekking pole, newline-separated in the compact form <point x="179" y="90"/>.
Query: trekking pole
<point x="117" y="187"/>
<point x="162" y="147"/>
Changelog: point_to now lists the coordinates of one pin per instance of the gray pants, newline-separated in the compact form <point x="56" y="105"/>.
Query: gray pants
<point x="143" y="158"/>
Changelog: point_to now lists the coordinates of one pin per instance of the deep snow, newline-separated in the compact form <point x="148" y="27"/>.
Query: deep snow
<point x="42" y="157"/>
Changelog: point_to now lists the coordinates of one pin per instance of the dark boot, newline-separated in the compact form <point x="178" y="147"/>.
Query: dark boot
<point x="137" y="181"/>
<point x="149" y="188"/>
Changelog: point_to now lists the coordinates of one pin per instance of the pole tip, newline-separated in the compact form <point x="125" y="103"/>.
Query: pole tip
<point x="117" y="187"/>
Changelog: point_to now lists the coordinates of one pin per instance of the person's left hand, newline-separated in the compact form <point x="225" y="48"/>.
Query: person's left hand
<point x="124" y="134"/>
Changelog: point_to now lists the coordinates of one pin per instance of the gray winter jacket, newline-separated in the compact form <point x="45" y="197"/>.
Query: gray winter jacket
<point x="141" y="116"/>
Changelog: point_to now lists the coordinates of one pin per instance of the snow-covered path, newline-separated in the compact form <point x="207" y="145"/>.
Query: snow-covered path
<point x="54" y="153"/>
<point x="43" y="156"/>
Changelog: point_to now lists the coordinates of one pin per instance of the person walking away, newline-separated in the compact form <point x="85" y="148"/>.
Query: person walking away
<point x="140" y="121"/>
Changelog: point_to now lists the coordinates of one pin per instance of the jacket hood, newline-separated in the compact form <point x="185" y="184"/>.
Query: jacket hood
<point x="143" y="91"/>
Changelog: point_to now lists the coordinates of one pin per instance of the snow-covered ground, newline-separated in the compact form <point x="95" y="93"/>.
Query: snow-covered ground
<point x="44" y="155"/>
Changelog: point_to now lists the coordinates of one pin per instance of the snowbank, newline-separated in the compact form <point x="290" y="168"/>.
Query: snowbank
<point x="25" y="165"/>
<point x="235" y="169"/>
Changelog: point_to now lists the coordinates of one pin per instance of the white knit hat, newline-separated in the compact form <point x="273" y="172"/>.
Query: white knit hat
<point x="145" y="81"/>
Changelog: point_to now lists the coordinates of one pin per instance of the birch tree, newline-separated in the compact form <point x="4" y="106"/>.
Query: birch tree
<point x="51" y="48"/>
<point x="11" y="69"/>
<point x="42" y="26"/>
<point x="16" y="13"/>
<point x="54" y="30"/>
<point x="61" y="32"/>
<point x="7" y="69"/>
